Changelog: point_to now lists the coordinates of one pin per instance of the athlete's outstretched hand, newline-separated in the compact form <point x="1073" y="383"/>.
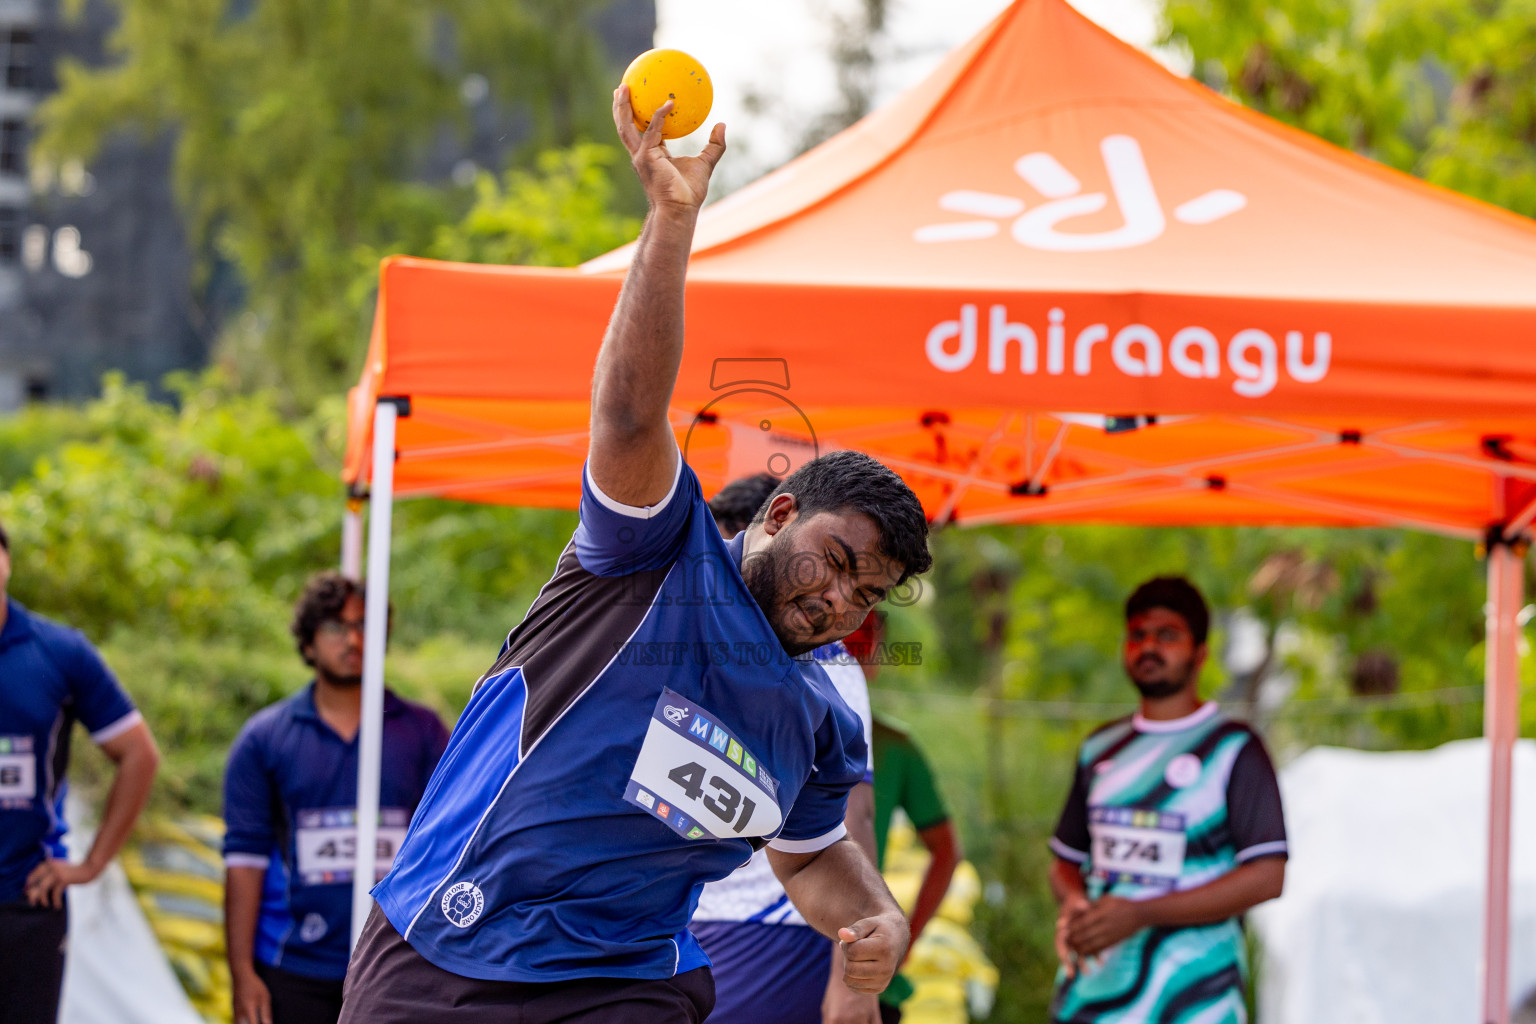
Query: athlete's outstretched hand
<point x="872" y="950"/>
<point x="681" y="181"/>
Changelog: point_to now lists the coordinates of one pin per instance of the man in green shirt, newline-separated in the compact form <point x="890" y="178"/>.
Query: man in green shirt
<point x="904" y="779"/>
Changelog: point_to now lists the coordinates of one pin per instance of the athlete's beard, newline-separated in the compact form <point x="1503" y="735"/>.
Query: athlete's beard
<point x="765" y="574"/>
<point x="340" y="680"/>
<point x="1160" y="689"/>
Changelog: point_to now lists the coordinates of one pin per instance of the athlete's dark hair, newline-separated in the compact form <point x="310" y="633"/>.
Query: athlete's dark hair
<point x="845" y="481"/>
<point x="5" y="540"/>
<point x="738" y="501"/>
<point x="1179" y="596"/>
<point x="325" y="595"/>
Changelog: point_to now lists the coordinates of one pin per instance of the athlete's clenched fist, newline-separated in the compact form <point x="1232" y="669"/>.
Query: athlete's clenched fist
<point x="872" y="950"/>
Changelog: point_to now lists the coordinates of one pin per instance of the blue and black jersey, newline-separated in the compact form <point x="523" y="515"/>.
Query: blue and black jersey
<point x="290" y="808"/>
<point x="641" y="734"/>
<point x="50" y="678"/>
<point x="1159" y="807"/>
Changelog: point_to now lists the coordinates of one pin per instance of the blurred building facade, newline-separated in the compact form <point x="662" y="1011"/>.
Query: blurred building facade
<point x="96" y="272"/>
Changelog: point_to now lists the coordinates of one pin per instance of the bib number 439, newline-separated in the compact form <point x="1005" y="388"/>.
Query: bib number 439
<point x="723" y="802"/>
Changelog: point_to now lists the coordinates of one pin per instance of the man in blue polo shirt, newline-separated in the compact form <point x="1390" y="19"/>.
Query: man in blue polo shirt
<point x="647" y="725"/>
<point x="290" y="797"/>
<point x="50" y="678"/>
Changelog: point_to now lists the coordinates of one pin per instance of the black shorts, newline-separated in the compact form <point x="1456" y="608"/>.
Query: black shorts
<point x="388" y="982"/>
<point x="300" y="1000"/>
<point x="31" y="963"/>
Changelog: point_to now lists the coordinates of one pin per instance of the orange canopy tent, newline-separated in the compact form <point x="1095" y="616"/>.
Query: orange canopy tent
<point x="1051" y="282"/>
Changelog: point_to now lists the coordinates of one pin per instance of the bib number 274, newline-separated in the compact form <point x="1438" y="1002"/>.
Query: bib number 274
<point x="723" y="802"/>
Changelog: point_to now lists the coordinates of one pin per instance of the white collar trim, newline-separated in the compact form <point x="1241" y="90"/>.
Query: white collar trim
<point x="1204" y="713"/>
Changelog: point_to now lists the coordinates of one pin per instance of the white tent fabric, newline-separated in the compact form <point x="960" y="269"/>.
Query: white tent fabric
<point x="1382" y="914"/>
<point x="115" y="972"/>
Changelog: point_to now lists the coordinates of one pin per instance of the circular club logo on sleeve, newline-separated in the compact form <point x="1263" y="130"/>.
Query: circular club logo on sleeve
<point x="313" y="929"/>
<point x="1183" y="771"/>
<point x="463" y="904"/>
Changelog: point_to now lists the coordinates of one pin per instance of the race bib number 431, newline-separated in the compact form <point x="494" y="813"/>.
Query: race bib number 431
<point x="325" y="843"/>
<point x="1146" y="846"/>
<point x="695" y="774"/>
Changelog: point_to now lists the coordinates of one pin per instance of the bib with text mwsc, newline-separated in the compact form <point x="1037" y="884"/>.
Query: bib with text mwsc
<point x="18" y="773"/>
<point x="325" y="843"/>
<point x="1145" y="846"/>
<point x="695" y="774"/>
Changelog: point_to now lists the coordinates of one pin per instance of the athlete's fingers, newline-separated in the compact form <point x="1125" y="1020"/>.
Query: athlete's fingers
<point x="1063" y="952"/>
<point x="866" y="977"/>
<point x="652" y="137"/>
<point x="874" y="948"/>
<point x="715" y="148"/>
<point x="624" y="119"/>
<point x="37" y="884"/>
<point x="1091" y="940"/>
<point x="260" y="1006"/>
<point x="854" y="932"/>
<point x="45" y="887"/>
<point x="869" y="956"/>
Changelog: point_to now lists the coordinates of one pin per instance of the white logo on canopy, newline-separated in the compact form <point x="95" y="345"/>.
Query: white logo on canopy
<point x="1041" y="227"/>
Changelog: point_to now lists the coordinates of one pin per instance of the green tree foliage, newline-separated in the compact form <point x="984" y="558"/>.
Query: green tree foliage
<point x="1445" y="89"/>
<point x="300" y="127"/>
<point x="557" y="215"/>
<point x="178" y="538"/>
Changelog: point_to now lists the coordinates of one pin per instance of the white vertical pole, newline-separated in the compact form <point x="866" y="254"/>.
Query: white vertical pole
<point x="352" y="540"/>
<point x="1501" y="726"/>
<point x="376" y="622"/>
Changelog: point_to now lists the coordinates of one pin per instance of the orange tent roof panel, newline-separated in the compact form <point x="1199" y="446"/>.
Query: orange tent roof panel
<point x="1053" y="281"/>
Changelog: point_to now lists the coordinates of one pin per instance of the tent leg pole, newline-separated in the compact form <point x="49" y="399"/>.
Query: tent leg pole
<point x="352" y="540"/>
<point x="375" y="626"/>
<point x="1501" y="726"/>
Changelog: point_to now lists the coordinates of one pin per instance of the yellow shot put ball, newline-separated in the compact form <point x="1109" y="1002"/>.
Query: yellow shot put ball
<point x="660" y="75"/>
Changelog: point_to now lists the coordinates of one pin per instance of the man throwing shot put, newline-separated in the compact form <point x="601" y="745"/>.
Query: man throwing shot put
<point x="647" y="726"/>
<point x="1172" y="831"/>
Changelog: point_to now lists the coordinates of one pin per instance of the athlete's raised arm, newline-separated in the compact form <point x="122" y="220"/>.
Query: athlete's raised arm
<point x="633" y="456"/>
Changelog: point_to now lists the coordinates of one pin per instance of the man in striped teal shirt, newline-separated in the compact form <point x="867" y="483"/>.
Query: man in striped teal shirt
<point x="1173" y="830"/>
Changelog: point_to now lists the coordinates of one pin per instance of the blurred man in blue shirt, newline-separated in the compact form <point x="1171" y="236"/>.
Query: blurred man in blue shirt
<point x="290" y="798"/>
<point x="50" y="678"/>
